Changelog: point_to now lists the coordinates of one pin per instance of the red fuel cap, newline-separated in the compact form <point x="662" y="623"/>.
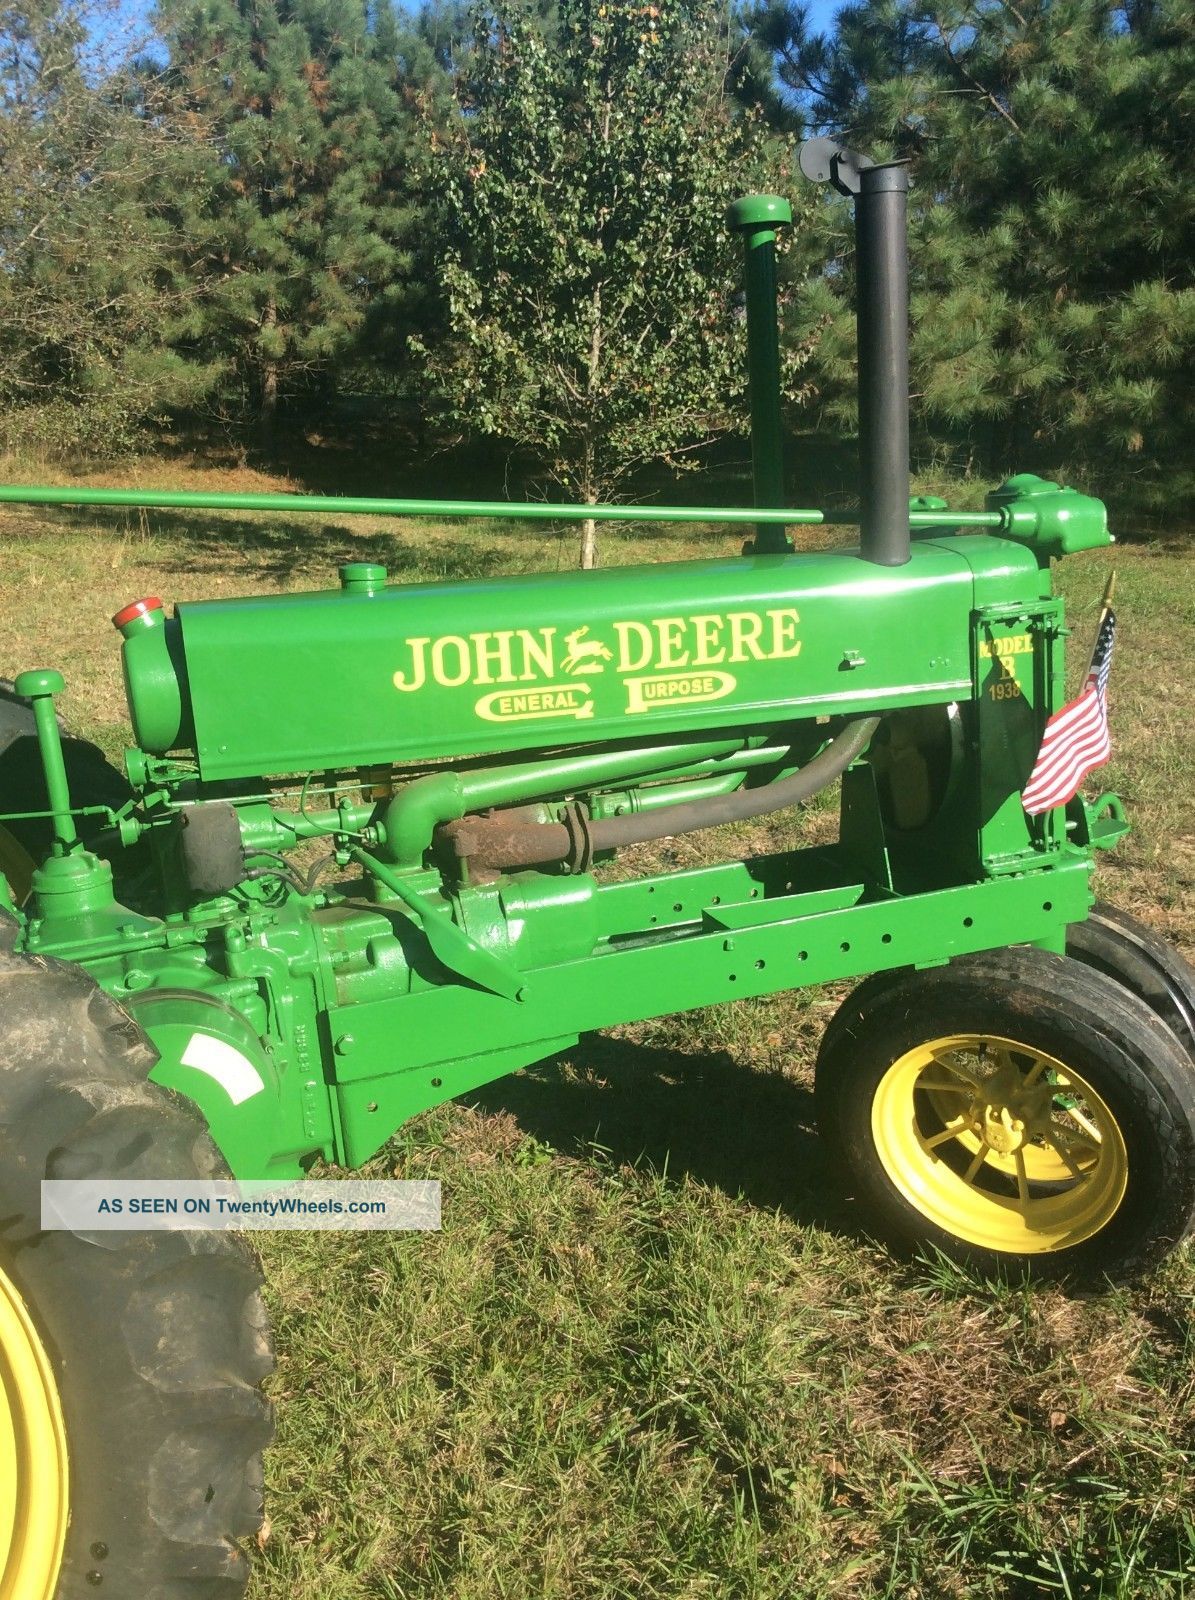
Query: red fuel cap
<point x="137" y="608"/>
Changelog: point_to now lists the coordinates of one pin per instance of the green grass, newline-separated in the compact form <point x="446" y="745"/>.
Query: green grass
<point x="651" y="1353"/>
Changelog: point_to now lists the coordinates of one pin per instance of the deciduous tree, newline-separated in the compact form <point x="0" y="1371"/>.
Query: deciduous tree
<point x="589" y="275"/>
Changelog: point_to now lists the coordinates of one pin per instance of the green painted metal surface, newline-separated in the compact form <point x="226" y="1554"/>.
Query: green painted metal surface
<point x="309" y="1023"/>
<point x="39" y="688"/>
<point x="407" y="822"/>
<point x="727" y="951"/>
<point x="756" y="218"/>
<point x="511" y="664"/>
<point x="1057" y="520"/>
<point x="310" y="1030"/>
<point x="499" y="510"/>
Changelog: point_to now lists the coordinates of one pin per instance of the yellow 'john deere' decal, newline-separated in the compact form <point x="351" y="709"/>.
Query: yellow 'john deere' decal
<point x="667" y="688"/>
<point x="525" y="705"/>
<point x="662" y="661"/>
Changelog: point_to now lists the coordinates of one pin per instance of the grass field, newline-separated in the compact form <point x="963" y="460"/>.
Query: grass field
<point x="652" y="1354"/>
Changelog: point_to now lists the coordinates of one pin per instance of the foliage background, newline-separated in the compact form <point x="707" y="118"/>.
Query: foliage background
<point x="319" y="215"/>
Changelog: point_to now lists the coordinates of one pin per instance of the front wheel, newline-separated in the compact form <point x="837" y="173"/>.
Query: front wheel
<point x="1131" y="952"/>
<point x="1014" y="1109"/>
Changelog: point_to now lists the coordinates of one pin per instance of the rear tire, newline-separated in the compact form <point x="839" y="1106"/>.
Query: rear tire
<point x="1123" y="948"/>
<point x="1013" y="1109"/>
<point x="157" y="1343"/>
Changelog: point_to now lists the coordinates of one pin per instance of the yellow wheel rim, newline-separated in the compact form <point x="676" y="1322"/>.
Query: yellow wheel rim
<point x="33" y="1465"/>
<point x="999" y="1144"/>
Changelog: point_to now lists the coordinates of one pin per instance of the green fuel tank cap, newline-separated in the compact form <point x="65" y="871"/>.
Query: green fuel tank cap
<point x="362" y="577"/>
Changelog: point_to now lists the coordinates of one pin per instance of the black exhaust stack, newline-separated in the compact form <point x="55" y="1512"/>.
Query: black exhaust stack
<point x="880" y="193"/>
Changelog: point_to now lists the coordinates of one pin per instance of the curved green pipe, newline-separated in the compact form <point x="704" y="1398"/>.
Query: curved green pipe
<point x="410" y="817"/>
<point x="409" y="820"/>
<point x="703" y="780"/>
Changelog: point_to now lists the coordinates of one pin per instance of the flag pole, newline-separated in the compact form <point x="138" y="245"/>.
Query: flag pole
<point x="1105" y="607"/>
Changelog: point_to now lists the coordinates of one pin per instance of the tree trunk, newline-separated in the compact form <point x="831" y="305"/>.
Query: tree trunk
<point x="589" y="526"/>
<point x="588" y="541"/>
<point x="269" y="377"/>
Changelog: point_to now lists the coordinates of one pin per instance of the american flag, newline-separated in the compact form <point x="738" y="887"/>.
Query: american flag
<point x="1076" y="739"/>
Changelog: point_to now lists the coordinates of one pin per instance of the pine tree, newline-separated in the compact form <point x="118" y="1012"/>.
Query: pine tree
<point x="588" y="271"/>
<point x="305" y="218"/>
<point x="1053" y="220"/>
<point x="87" y="292"/>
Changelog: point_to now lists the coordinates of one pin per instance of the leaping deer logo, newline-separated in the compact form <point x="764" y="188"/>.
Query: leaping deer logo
<point x="584" y="655"/>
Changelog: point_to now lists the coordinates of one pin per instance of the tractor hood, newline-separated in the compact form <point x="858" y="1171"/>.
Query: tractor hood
<point x="376" y="674"/>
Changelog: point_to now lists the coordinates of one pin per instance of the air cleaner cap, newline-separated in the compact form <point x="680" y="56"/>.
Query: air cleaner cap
<point x="137" y="611"/>
<point x="1053" y="519"/>
<point x="759" y="211"/>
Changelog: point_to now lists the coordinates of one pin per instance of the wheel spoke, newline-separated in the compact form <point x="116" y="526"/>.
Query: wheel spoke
<point x="1076" y="1141"/>
<point x="989" y="1137"/>
<point x="1085" y="1122"/>
<point x="1032" y="1076"/>
<point x="956" y="1071"/>
<point x="1064" y="1152"/>
<point x="980" y="1157"/>
<point x="964" y="1124"/>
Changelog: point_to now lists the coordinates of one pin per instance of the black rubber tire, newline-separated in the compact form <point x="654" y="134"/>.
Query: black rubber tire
<point x="1081" y="1016"/>
<point x="1126" y="949"/>
<point x="159" y="1341"/>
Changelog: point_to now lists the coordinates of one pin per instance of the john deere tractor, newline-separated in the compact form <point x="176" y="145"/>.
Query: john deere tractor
<point x="356" y="865"/>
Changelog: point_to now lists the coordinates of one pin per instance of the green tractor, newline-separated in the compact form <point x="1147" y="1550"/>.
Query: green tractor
<point x="356" y="866"/>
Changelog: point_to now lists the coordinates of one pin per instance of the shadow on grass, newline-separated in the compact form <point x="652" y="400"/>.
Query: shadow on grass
<point x="748" y="1133"/>
<point x="276" y="548"/>
<point x="407" y="464"/>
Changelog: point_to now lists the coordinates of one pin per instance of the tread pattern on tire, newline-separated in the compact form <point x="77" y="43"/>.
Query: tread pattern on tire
<point x="160" y="1340"/>
<point x="1124" y="948"/>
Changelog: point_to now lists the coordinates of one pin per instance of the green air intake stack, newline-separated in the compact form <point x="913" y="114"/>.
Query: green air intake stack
<point x="756" y="217"/>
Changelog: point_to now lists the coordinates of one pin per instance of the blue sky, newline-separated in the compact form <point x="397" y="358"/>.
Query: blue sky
<point x="821" y="13"/>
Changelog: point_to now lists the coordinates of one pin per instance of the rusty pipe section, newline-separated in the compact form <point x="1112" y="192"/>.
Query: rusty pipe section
<point x="487" y="845"/>
<point x="410" y="820"/>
